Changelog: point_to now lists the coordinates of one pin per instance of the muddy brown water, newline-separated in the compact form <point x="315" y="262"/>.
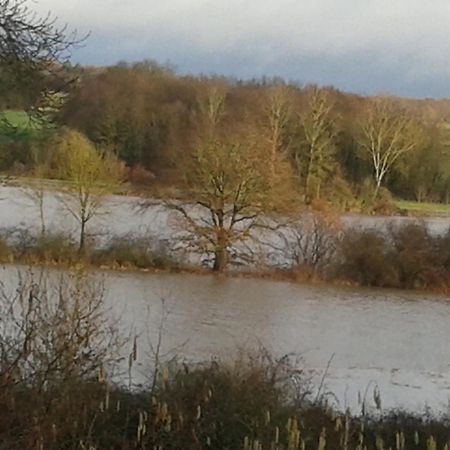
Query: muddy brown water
<point x="394" y="339"/>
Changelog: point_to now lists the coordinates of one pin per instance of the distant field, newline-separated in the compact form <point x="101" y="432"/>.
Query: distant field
<point x="16" y="126"/>
<point x="19" y="119"/>
<point x="424" y="209"/>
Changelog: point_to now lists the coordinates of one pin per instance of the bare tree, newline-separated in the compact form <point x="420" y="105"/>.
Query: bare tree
<point x="388" y="132"/>
<point x="213" y="109"/>
<point x="314" y="157"/>
<point x="278" y="113"/>
<point x="35" y="190"/>
<point x="29" y="39"/>
<point x="312" y="241"/>
<point x="227" y="183"/>
<point x="228" y="188"/>
<point x="32" y="49"/>
<point x="89" y="175"/>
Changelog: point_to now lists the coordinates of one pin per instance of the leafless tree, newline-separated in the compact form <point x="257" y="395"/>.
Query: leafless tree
<point x="35" y="190"/>
<point x="278" y="113"/>
<point x="228" y="189"/>
<point x="314" y="156"/>
<point x="310" y="241"/>
<point x="388" y="132"/>
<point x="33" y="50"/>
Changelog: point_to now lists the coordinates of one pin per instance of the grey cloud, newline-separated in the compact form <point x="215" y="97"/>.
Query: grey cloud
<point x="368" y="46"/>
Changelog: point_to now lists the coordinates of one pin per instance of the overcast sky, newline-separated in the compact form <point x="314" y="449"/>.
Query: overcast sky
<point x="364" y="46"/>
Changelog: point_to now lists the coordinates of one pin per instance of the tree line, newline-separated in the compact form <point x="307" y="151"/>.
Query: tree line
<point x="341" y="147"/>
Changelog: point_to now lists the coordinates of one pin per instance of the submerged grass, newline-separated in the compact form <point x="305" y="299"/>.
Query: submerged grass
<point x="127" y="253"/>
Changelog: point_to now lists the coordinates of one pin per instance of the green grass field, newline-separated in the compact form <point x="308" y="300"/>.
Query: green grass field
<point x="16" y="126"/>
<point x="424" y="209"/>
<point x="19" y="119"/>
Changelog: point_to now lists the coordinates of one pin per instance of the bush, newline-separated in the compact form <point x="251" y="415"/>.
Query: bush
<point x="54" y="248"/>
<point x="414" y="255"/>
<point x="384" y="203"/>
<point x="363" y="258"/>
<point x="23" y="246"/>
<point x="404" y="256"/>
<point x="141" y="253"/>
<point x="6" y="252"/>
<point x="140" y="176"/>
<point x="311" y="241"/>
<point x="55" y="341"/>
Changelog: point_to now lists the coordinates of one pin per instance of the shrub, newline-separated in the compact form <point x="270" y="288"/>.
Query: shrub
<point x="403" y="256"/>
<point x="443" y="250"/>
<point x="311" y="242"/>
<point x="384" y="204"/>
<point x="363" y="258"/>
<point x="6" y="252"/>
<point x="55" y="340"/>
<point x="140" y="176"/>
<point x="414" y="254"/>
<point x="21" y="245"/>
<point x="55" y="248"/>
<point x="142" y="253"/>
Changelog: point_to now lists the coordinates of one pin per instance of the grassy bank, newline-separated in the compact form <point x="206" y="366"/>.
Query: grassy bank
<point x="256" y="403"/>
<point x="59" y="249"/>
<point x="216" y="407"/>
<point x="16" y="126"/>
<point x="423" y="209"/>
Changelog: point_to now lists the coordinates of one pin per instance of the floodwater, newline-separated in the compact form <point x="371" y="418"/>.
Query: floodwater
<point x="395" y="340"/>
<point x="122" y="215"/>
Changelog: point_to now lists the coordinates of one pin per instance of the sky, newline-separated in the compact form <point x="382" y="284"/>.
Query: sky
<point x="400" y="47"/>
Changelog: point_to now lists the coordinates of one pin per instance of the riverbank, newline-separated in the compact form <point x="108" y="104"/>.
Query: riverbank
<point x="256" y="403"/>
<point x="361" y="259"/>
<point x="423" y="209"/>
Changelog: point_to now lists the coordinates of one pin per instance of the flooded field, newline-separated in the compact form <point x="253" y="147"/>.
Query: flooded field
<point x="394" y="339"/>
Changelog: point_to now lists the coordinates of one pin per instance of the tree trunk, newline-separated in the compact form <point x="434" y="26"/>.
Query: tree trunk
<point x="82" y="237"/>
<point x="308" y="174"/>
<point x="42" y="216"/>
<point x="377" y="188"/>
<point x="220" y="253"/>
